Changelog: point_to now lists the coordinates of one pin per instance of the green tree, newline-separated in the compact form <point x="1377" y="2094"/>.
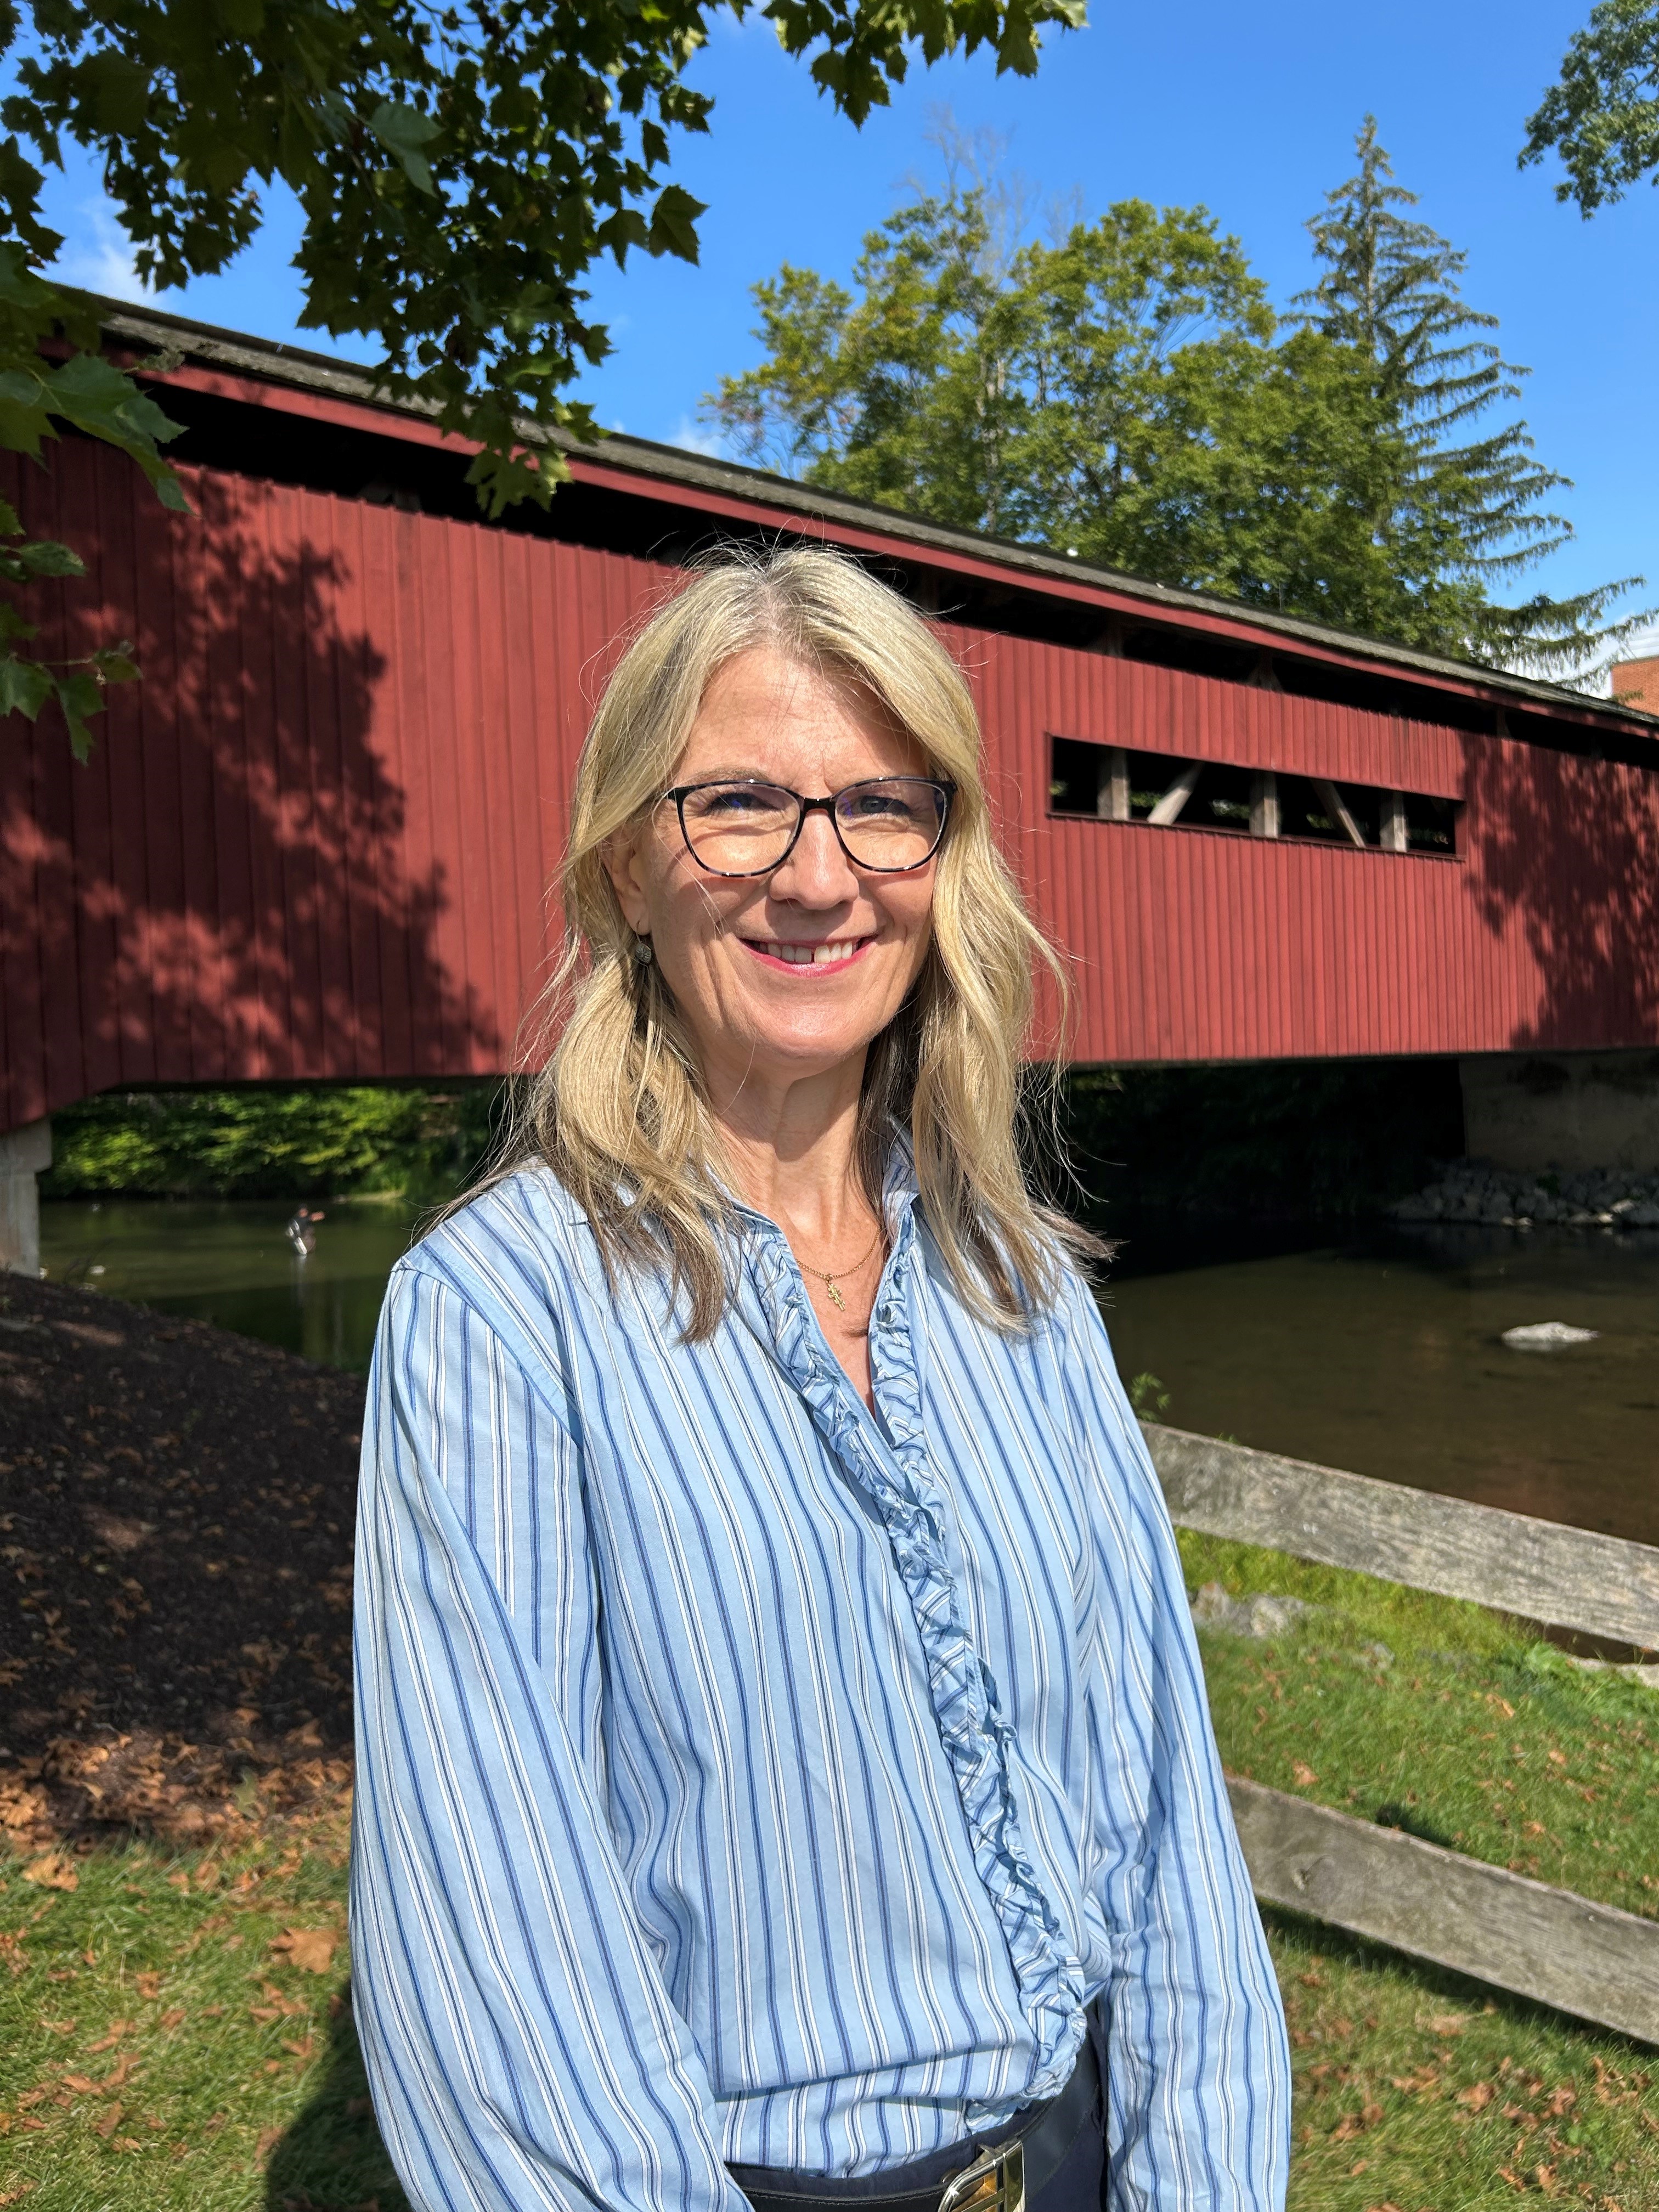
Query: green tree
<point x="1471" y="493"/>
<point x="459" y="167"/>
<point x="1602" y="114"/>
<point x="1126" y="392"/>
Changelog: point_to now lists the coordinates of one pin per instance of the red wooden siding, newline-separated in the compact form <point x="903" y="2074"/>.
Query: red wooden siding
<point x="1203" y="945"/>
<point x="315" y="841"/>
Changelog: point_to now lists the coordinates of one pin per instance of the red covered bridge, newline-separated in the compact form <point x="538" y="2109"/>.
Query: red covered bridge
<point x="315" y="839"/>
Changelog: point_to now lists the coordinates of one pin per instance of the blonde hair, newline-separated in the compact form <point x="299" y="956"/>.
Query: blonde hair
<point x="618" y="1109"/>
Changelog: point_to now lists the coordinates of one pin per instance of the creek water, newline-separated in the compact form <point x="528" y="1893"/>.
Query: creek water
<point x="1377" y="1350"/>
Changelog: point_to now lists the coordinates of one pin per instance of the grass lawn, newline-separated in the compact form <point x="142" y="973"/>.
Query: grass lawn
<point x="174" y="2030"/>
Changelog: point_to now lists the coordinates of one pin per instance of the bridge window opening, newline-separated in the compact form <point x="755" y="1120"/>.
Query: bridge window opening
<point x="1117" y="783"/>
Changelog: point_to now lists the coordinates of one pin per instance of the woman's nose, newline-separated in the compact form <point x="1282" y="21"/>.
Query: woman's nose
<point x="817" y="872"/>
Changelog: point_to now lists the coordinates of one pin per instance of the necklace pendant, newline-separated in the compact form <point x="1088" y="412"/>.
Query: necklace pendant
<point x="841" y="1303"/>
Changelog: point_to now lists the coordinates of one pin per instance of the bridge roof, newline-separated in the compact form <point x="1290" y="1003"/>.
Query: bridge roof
<point x="226" y="364"/>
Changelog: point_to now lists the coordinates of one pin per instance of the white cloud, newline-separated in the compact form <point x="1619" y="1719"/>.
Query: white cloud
<point x="97" y="256"/>
<point x="695" y="438"/>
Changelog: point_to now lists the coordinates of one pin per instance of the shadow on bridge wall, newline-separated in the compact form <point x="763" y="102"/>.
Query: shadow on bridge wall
<point x="239" y="886"/>
<point x="1567" y="850"/>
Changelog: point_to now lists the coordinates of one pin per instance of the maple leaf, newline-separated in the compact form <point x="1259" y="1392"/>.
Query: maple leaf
<point x="53" y="1871"/>
<point x="310" y="1949"/>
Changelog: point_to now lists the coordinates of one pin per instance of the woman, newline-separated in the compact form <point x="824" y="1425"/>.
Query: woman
<point x="785" y="1776"/>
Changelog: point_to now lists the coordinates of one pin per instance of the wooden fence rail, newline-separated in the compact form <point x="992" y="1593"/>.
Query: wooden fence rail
<point x="1589" y="1960"/>
<point x="1570" y="1577"/>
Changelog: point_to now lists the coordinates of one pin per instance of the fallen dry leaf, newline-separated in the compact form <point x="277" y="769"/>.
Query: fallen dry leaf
<point x="1477" y="2096"/>
<point x="53" y="1871"/>
<point x="1302" y="1774"/>
<point x="83" y="2085"/>
<point x="269" y="2139"/>
<point x="108" y="2041"/>
<point x="148" y="1985"/>
<point x="311" y="1949"/>
<point x="108" y="2124"/>
<point x="1448" y="2023"/>
<point x="171" y="2018"/>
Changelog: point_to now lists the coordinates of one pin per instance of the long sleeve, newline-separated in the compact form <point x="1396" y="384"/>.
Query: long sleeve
<point x="521" y="2044"/>
<point x="1199" y="2061"/>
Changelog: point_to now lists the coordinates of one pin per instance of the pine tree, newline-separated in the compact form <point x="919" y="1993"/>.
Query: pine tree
<point x="1390" y="289"/>
<point x="1126" y="392"/>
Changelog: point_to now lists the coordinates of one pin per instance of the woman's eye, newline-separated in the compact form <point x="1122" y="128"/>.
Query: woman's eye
<point x="880" y="806"/>
<point x="738" y="800"/>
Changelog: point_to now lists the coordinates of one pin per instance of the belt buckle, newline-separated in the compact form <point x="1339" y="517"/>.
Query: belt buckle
<point x="995" y="2182"/>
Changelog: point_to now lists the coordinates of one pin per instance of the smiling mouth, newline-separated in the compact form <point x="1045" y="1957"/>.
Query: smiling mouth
<point x="835" y="954"/>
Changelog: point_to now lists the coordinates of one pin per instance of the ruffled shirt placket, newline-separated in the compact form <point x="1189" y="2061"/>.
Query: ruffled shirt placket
<point x="894" y="1472"/>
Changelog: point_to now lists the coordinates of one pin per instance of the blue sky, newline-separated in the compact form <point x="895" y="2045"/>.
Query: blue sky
<point x="1250" y="111"/>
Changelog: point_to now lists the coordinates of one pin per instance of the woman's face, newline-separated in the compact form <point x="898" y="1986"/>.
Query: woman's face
<point x="761" y="1018"/>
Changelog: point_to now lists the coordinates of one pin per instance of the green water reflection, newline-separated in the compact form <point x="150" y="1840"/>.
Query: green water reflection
<point x="233" y="1264"/>
<point x="1379" y="1352"/>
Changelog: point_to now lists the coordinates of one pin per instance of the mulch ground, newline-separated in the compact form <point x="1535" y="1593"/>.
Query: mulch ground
<point x="176" y="1510"/>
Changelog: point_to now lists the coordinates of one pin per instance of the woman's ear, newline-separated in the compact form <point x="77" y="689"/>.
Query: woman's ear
<point x="624" y="863"/>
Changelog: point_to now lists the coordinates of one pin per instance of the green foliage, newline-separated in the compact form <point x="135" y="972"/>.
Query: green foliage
<point x="1467" y="497"/>
<point x="315" y="1140"/>
<point x="1602" y="114"/>
<point x="1149" y="1398"/>
<point x="459" y="168"/>
<point x="1126" y="392"/>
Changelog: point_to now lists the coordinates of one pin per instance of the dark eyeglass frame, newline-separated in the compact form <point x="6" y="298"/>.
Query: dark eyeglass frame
<point x="804" y="806"/>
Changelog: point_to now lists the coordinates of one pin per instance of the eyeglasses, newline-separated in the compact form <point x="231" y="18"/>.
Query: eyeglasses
<point x="749" y="828"/>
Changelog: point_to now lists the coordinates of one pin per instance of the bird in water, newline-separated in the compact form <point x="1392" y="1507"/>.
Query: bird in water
<point x="302" y="1231"/>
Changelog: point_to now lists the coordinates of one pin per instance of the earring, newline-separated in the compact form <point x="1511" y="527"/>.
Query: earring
<point x="643" y="951"/>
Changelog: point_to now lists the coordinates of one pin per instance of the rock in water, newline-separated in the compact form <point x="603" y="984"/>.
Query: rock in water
<point x="1546" y="1336"/>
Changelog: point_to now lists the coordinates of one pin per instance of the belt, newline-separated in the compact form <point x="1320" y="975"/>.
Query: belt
<point x="999" y="2176"/>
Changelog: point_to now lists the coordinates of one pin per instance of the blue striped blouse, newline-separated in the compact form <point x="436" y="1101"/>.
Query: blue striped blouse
<point x="746" y="1776"/>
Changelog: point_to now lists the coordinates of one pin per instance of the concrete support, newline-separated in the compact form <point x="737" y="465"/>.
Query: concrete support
<point x="1563" y="1110"/>
<point x="23" y="1154"/>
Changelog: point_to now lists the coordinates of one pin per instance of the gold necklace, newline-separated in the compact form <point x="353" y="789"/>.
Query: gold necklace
<point x="829" y="1280"/>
